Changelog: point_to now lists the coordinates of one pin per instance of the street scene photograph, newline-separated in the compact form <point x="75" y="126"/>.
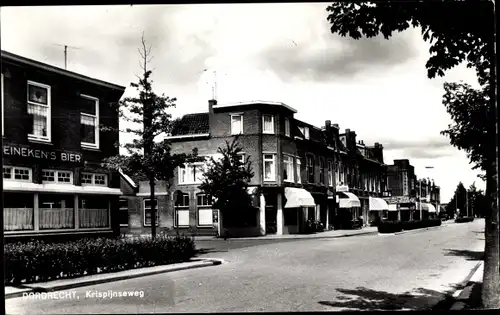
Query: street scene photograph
<point x="270" y="157"/>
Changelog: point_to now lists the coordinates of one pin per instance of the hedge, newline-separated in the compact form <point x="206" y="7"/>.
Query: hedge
<point x="398" y="226"/>
<point x="36" y="261"/>
<point x="464" y="219"/>
<point x="390" y="227"/>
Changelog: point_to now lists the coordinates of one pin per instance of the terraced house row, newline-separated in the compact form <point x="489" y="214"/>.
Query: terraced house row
<point x="53" y="183"/>
<point x="301" y="172"/>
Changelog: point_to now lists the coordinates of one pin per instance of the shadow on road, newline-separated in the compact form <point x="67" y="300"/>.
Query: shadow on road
<point x="368" y="299"/>
<point x="468" y="254"/>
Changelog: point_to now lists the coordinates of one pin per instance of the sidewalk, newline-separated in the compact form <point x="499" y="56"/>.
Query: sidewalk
<point x="327" y="234"/>
<point x="469" y="298"/>
<point x="64" y="284"/>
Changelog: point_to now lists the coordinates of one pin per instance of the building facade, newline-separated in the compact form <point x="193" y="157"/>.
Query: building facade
<point x="297" y="169"/>
<point x="411" y="198"/>
<point x="52" y="150"/>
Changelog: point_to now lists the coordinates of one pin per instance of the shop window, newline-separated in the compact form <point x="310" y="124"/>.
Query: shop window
<point x="60" y="177"/>
<point x="93" y="211"/>
<point x="94" y="179"/>
<point x="56" y="211"/>
<point x="268" y="124"/>
<point x="39" y="109"/>
<point x="147" y="212"/>
<point x="269" y="167"/>
<point x="290" y="216"/>
<point x="123" y="210"/>
<point x="89" y="121"/>
<point x="17" y="173"/>
<point x="182" y="210"/>
<point x="18" y="211"/>
<point x="205" y="213"/>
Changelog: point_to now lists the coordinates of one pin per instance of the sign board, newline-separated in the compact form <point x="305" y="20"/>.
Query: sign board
<point x="342" y="188"/>
<point x="399" y="199"/>
<point x="39" y="154"/>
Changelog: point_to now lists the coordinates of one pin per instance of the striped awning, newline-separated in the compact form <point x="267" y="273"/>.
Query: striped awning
<point x="377" y="204"/>
<point x="298" y="197"/>
<point x="348" y="200"/>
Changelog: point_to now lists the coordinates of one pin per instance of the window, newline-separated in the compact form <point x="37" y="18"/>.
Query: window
<point x="269" y="167"/>
<point x="191" y="173"/>
<point x="298" y="171"/>
<point x="330" y="173"/>
<point x="268" y="124"/>
<point x="288" y="168"/>
<point x="57" y="211"/>
<point x="306" y="132"/>
<point x="310" y="168"/>
<point x="236" y="124"/>
<point x="39" y="110"/>
<point x="17" y="173"/>
<point x="182" y="210"/>
<point x="94" y="179"/>
<point x="287" y="127"/>
<point x="51" y="176"/>
<point x="89" y="121"/>
<point x="322" y="170"/>
<point x="147" y="212"/>
<point x="3" y="113"/>
<point x="123" y="212"/>
<point x="205" y="215"/>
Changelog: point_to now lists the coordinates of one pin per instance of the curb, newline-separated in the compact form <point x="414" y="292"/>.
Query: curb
<point x="282" y="238"/>
<point x="461" y="296"/>
<point x="206" y="262"/>
<point x="420" y="230"/>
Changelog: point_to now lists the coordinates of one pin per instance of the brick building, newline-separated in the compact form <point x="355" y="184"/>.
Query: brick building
<point x="408" y="194"/>
<point x="296" y="166"/>
<point x="52" y="149"/>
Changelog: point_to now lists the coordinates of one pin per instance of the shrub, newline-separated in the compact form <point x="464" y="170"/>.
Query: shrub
<point x="37" y="260"/>
<point x="390" y="227"/>
<point x="464" y="219"/>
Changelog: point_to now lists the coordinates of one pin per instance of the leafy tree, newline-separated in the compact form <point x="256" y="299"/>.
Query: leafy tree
<point x="457" y="201"/>
<point x="147" y="157"/>
<point x="458" y="31"/>
<point x="226" y="179"/>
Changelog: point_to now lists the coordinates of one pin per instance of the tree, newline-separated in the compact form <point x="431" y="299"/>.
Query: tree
<point x="146" y="156"/>
<point x="226" y="179"/>
<point x="457" y="201"/>
<point x="459" y="31"/>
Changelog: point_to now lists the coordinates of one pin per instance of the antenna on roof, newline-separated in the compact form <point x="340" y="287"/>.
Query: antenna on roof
<point x="214" y="88"/>
<point x="66" y="53"/>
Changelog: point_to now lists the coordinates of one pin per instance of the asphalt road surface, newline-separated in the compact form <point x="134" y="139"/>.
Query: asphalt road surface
<point x="408" y="271"/>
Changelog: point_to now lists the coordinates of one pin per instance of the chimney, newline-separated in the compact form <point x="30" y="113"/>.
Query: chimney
<point x="336" y="126"/>
<point x="211" y="120"/>
<point x="329" y="133"/>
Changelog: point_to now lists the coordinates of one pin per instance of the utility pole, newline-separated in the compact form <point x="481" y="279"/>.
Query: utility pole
<point x="467" y="202"/>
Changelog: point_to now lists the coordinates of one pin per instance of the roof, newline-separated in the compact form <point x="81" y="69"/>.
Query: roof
<point x="192" y="124"/>
<point x="10" y="56"/>
<point x="256" y="103"/>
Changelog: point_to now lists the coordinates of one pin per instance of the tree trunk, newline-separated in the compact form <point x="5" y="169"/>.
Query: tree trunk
<point x="491" y="276"/>
<point x="153" y="204"/>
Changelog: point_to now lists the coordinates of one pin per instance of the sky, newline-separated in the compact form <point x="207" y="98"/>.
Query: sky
<point x="273" y="52"/>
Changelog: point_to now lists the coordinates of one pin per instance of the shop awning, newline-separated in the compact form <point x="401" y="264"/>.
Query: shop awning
<point x="431" y="207"/>
<point x="298" y="197"/>
<point x="60" y="188"/>
<point x="377" y="204"/>
<point x="351" y="201"/>
<point x="423" y="205"/>
<point x="393" y="207"/>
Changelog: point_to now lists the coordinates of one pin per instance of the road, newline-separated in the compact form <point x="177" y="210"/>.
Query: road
<point x="409" y="271"/>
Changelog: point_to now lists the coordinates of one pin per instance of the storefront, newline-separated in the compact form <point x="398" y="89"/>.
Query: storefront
<point x="299" y="207"/>
<point x="54" y="192"/>
<point x="378" y="209"/>
<point x="349" y="207"/>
